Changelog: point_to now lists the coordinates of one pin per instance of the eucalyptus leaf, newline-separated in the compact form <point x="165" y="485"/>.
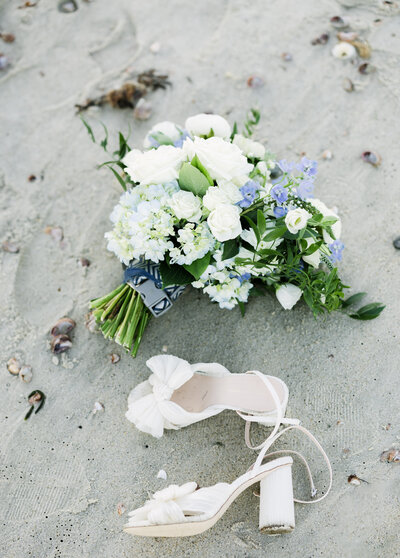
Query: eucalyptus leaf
<point x="193" y="180"/>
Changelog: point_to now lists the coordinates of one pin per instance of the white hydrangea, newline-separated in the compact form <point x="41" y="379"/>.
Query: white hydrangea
<point x="195" y="241"/>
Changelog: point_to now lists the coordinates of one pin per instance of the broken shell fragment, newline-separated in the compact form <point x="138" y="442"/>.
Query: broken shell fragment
<point x="60" y="344"/>
<point x="90" y="322"/>
<point x="35" y="397"/>
<point x="26" y="373"/>
<point x="321" y="40"/>
<point x="84" y="262"/>
<point x="327" y="155"/>
<point x="10" y="247"/>
<point x="347" y="36"/>
<point x="255" y="82"/>
<point x="363" y="48"/>
<point x="67" y="6"/>
<point x="55" y="232"/>
<point x="63" y="326"/>
<point x="143" y="110"/>
<point x="3" y="62"/>
<point x="372" y="158"/>
<point x="348" y="85"/>
<point x="155" y="47"/>
<point x="366" y="69"/>
<point x="286" y="56"/>
<point x="7" y="37"/>
<point x="114" y="358"/>
<point x="13" y="366"/>
<point x="121" y="509"/>
<point x="339" y="22"/>
<point x="344" y="51"/>
<point x="97" y="407"/>
<point x="390" y="456"/>
<point x="353" y="479"/>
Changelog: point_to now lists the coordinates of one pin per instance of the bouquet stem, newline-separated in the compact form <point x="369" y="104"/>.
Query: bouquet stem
<point x="122" y="316"/>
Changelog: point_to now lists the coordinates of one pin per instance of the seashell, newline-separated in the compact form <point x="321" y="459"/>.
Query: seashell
<point x="353" y="479"/>
<point x="26" y="373"/>
<point x="327" y="155"/>
<point x="363" y="48"/>
<point x="396" y="243"/>
<point x="121" y="509"/>
<point x="347" y="36"/>
<point x="35" y="397"/>
<point x="55" y="232"/>
<point x="7" y="37"/>
<point x="143" y="110"/>
<point x="63" y="326"/>
<point x="321" y="40"/>
<point x="162" y="474"/>
<point x="84" y="262"/>
<point x="366" y="69"/>
<point x="372" y="158"/>
<point x="339" y="22"/>
<point x="114" y="358"/>
<point x="390" y="456"/>
<point x="3" y="62"/>
<point x="97" y="407"/>
<point x="32" y="178"/>
<point x="348" y="85"/>
<point x="344" y="51"/>
<point x="90" y="322"/>
<point x="255" y="82"/>
<point x="67" y="6"/>
<point x="13" y="366"/>
<point x="10" y="247"/>
<point x="286" y="56"/>
<point x="60" y="344"/>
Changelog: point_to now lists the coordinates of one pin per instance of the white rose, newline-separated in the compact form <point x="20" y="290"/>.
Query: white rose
<point x="296" y="219"/>
<point x="167" y="128"/>
<point x="315" y="258"/>
<point x="186" y="205"/>
<point x="223" y="160"/>
<point x="202" y="124"/>
<point x="249" y="147"/>
<point x="326" y="212"/>
<point x="156" y="166"/>
<point x="226" y="193"/>
<point x="224" y="222"/>
<point x="288" y="295"/>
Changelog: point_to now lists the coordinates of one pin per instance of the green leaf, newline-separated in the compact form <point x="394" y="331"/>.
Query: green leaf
<point x="254" y="227"/>
<point x="353" y="299"/>
<point x="193" y="180"/>
<point x="234" y="130"/>
<point x="231" y="248"/>
<point x="311" y="249"/>
<point x="162" y="139"/>
<point x="368" y="312"/>
<point x="269" y="252"/>
<point x="242" y="308"/>
<point x="308" y="298"/>
<point x="104" y="142"/>
<point x="119" y="178"/>
<point x="198" y="267"/>
<point x="89" y="129"/>
<point x="261" y="223"/>
<point x="174" y="274"/>
<point x="278" y="232"/>
<point x="198" y="165"/>
<point x="328" y="221"/>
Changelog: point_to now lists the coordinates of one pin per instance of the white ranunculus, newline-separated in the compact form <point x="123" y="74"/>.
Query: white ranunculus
<point x="226" y="193"/>
<point x="186" y="205"/>
<point x="156" y="166"/>
<point x="326" y="212"/>
<point x="296" y="219"/>
<point x="203" y="124"/>
<point x="288" y="295"/>
<point x="249" y="147"/>
<point x="315" y="258"/>
<point x="224" y="222"/>
<point x="223" y="160"/>
<point x="167" y="128"/>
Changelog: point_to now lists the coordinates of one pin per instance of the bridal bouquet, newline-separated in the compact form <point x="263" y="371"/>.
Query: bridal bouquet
<point x="206" y="206"/>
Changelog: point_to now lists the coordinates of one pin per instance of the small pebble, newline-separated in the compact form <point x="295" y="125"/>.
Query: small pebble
<point x="13" y="366"/>
<point x="164" y="349"/>
<point x="98" y="407"/>
<point x="55" y="360"/>
<point x="155" y="47"/>
<point x="32" y="178"/>
<point x="372" y="158"/>
<point x="366" y="69"/>
<point x="10" y="247"/>
<point x="121" y="509"/>
<point x="143" y="110"/>
<point x="3" y="62"/>
<point x="286" y="56"/>
<point x="55" y="232"/>
<point x="255" y="82"/>
<point x="7" y="37"/>
<point x="327" y="155"/>
<point x="26" y="373"/>
<point x="321" y="40"/>
<point x="396" y="243"/>
<point x="114" y="358"/>
<point x="353" y="479"/>
<point x="162" y="474"/>
<point x="348" y="85"/>
<point x="67" y="6"/>
<point x="84" y="262"/>
<point x="339" y="22"/>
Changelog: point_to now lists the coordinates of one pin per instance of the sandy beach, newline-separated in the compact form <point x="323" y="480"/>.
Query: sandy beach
<point x="69" y="476"/>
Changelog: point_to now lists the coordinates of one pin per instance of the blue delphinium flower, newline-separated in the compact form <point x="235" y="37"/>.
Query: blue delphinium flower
<point x="307" y="166"/>
<point x="279" y="193"/>
<point x="285" y="166"/>
<point x="241" y="278"/>
<point x="280" y="211"/>
<point x="305" y="189"/>
<point x="336" y="248"/>
<point x="248" y="192"/>
<point x="184" y="136"/>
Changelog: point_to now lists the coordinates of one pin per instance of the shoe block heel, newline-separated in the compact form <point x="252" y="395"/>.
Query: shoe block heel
<point x="276" y="502"/>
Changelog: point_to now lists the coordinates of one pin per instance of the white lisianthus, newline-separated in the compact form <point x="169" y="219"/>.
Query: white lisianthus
<point x="315" y="258"/>
<point x="155" y="166"/>
<point x="326" y="212"/>
<point x="204" y="124"/>
<point x="223" y="160"/>
<point x="169" y="129"/>
<point x="296" y="219"/>
<point x="224" y="222"/>
<point x="186" y="205"/>
<point x="249" y="147"/>
<point x="288" y="295"/>
<point x="226" y="193"/>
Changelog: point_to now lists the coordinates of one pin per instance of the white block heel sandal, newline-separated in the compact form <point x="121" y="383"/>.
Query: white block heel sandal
<point x="178" y="394"/>
<point x="182" y="511"/>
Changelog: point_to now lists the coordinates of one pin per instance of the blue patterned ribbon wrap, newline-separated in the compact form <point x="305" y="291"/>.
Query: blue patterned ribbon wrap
<point x="145" y="278"/>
